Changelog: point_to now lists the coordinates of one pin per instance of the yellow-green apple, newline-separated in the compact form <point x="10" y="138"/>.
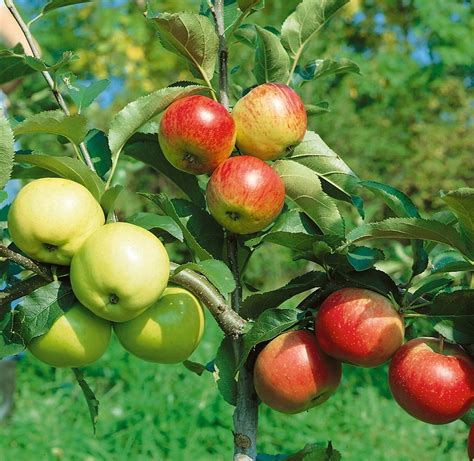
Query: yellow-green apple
<point x="292" y="374"/>
<point x="120" y="271"/>
<point x="432" y="381"/>
<point x="470" y="444"/>
<point x="196" y="134"/>
<point x="271" y="120"/>
<point x="51" y="218"/>
<point x="245" y="194"/>
<point x="167" y="332"/>
<point x="359" y="326"/>
<point x="76" y="338"/>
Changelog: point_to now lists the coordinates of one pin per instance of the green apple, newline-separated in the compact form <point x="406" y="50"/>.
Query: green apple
<point x="51" y="218"/>
<point x="120" y="271"/>
<point x="76" y="338"/>
<point x="167" y="332"/>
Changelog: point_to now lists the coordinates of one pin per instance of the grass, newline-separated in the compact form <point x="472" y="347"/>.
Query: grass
<point x="158" y="412"/>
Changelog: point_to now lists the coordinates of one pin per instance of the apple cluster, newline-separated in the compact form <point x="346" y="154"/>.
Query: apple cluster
<point x="431" y="380"/>
<point x="198" y="135"/>
<point x="119" y="274"/>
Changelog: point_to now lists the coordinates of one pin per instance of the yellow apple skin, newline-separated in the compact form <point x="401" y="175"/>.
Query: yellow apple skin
<point x="120" y="271"/>
<point x="51" y="218"/>
<point x="76" y="339"/>
<point x="167" y="332"/>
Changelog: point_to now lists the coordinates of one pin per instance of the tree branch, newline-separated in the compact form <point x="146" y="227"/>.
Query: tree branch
<point x="228" y="320"/>
<point x="246" y="410"/>
<point x="26" y="263"/>
<point x="47" y="76"/>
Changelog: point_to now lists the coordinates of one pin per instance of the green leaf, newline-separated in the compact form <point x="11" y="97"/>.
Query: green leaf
<point x="38" y="311"/>
<point x="301" y="26"/>
<point x="256" y="303"/>
<point x="108" y="199"/>
<point x="55" y="4"/>
<point x="91" y="399"/>
<point x="338" y="180"/>
<point x="72" y="127"/>
<point x="371" y="279"/>
<point x="151" y="221"/>
<point x="226" y="365"/>
<point x="318" y="108"/>
<point x="10" y="344"/>
<point x="408" y="228"/>
<point x="303" y="186"/>
<point x="147" y="149"/>
<point x="98" y="146"/>
<point x="403" y="207"/>
<point x="322" y="68"/>
<point x="431" y="284"/>
<point x="13" y="65"/>
<point x="363" y="258"/>
<point x="3" y="196"/>
<point x="202" y="235"/>
<point x="245" y="5"/>
<point x="41" y="66"/>
<point x="269" y="324"/>
<point x="137" y="113"/>
<point x="191" y="36"/>
<point x="450" y="261"/>
<point x="272" y="63"/>
<point x="84" y="96"/>
<point x="461" y="201"/>
<point x="215" y="271"/>
<point x="195" y="367"/>
<point x="66" y="167"/>
<point x="7" y="151"/>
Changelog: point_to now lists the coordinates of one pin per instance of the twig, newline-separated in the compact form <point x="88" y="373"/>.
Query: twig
<point x="228" y="320"/>
<point x="47" y="76"/>
<point x="26" y="263"/>
<point x="218" y="12"/>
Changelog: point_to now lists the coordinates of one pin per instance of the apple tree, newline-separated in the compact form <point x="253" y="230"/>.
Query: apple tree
<point x="251" y="170"/>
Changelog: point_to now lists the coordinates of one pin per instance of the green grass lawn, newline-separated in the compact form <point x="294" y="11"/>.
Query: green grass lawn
<point x="158" y="412"/>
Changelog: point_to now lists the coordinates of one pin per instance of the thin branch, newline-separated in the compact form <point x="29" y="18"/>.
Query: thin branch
<point x="20" y="289"/>
<point x="25" y="262"/>
<point x="218" y="12"/>
<point x="228" y="320"/>
<point x="47" y="76"/>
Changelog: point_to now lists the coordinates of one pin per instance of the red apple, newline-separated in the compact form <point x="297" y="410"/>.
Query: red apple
<point x="270" y="120"/>
<point x="432" y="381"/>
<point x="292" y="374"/>
<point x="359" y="326"/>
<point x="245" y="194"/>
<point x="196" y="134"/>
<point x="470" y="444"/>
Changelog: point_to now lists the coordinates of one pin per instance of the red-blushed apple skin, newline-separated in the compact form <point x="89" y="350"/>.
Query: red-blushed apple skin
<point x="359" y="326"/>
<point x="434" y="387"/>
<point x="245" y="194"/>
<point x="196" y="134"/>
<point x="292" y="374"/>
<point x="470" y="444"/>
<point x="270" y="119"/>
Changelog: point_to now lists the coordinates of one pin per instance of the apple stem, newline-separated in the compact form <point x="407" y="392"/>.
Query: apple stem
<point x="47" y="76"/>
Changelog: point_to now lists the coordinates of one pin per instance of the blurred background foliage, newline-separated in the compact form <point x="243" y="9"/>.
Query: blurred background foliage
<point x="407" y="121"/>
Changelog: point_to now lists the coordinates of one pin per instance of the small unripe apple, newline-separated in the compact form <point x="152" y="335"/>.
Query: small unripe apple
<point x="292" y="374"/>
<point x="470" y="444"/>
<point x="245" y="194"/>
<point x="51" y="218"/>
<point x="271" y="120"/>
<point x="432" y="381"/>
<point x="76" y="338"/>
<point x="167" y="332"/>
<point x="359" y="326"/>
<point x="196" y="134"/>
